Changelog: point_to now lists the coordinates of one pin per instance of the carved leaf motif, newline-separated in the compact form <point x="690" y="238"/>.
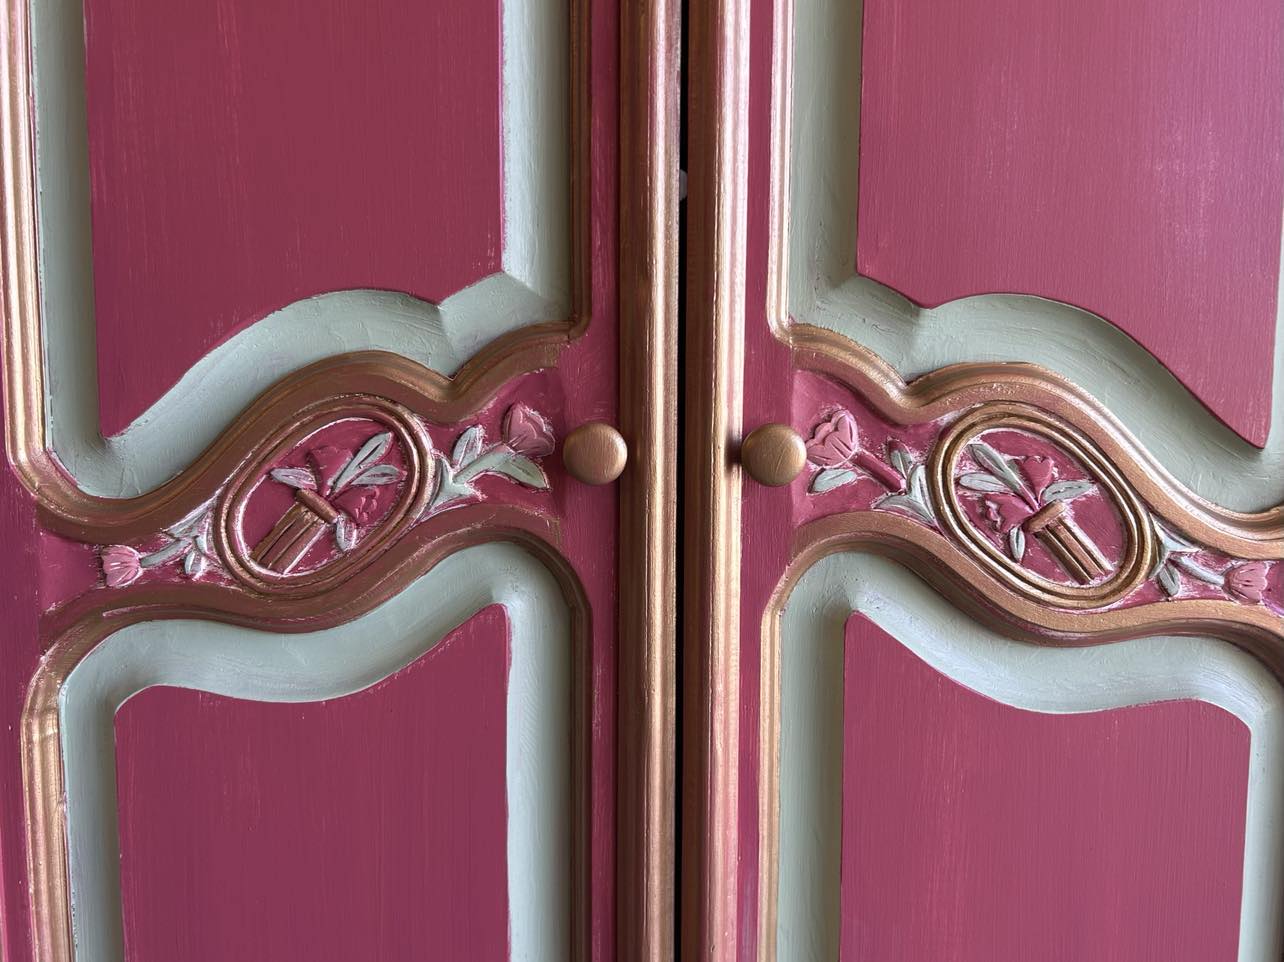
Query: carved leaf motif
<point x="981" y="481"/>
<point x="1066" y="490"/>
<point x="345" y="537"/>
<point x="368" y="454"/>
<point x="918" y="488"/>
<point x="997" y="465"/>
<point x="900" y="459"/>
<point x="523" y="470"/>
<point x="1196" y="570"/>
<point x="1016" y="543"/>
<point x="1169" y="581"/>
<point x="379" y="474"/>
<point x="161" y="555"/>
<point x="295" y="477"/>
<point x="194" y="563"/>
<point x="904" y="502"/>
<point x="831" y="478"/>
<point x="468" y="445"/>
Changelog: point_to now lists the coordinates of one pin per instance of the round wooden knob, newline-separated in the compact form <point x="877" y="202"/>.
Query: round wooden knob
<point x="595" y="453"/>
<point x="773" y="454"/>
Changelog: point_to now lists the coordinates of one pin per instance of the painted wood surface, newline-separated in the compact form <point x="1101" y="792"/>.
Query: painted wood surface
<point x="369" y="827"/>
<point x="244" y="156"/>
<point x="976" y="831"/>
<point x="1122" y="157"/>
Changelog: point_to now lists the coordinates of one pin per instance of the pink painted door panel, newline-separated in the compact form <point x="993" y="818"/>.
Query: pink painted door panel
<point x="338" y="364"/>
<point x="1121" y="157"/>
<point x="244" y="157"/>
<point x="319" y="831"/>
<point x="987" y="632"/>
<point x="1111" y="835"/>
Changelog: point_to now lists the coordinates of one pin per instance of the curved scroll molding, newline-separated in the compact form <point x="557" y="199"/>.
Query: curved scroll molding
<point x="954" y="389"/>
<point x="67" y="509"/>
<point x="815" y="122"/>
<point x="64" y="856"/>
<point x="511" y="319"/>
<point x="800" y="800"/>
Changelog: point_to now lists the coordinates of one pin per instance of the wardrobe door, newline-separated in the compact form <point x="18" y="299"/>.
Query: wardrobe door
<point x="338" y="355"/>
<point x="982" y="516"/>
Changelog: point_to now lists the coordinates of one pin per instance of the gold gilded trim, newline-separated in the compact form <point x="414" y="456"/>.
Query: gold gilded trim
<point x="650" y="31"/>
<point x="716" y="222"/>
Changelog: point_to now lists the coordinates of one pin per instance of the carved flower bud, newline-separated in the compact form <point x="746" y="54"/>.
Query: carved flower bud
<point x="1005" y="511"/>
<point x="1040" y="471"/>
<point x="834" y="442"/>
<point x="1247" y="581"/>
<point x="361" y="504"/>
<point x="120" y="565"/>
<point x="526" y="432"/>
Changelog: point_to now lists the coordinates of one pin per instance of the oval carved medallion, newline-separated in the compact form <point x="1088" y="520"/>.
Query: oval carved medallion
<point x="322" y="497"/>
<point x="1041" y="506"/>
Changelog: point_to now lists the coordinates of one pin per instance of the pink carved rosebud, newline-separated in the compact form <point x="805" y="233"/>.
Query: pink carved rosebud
<point x="359" y="503"/>
<point x="1247" y="582"/>
<point x="328" y="462"/>
<point x="1005" y="511"/>
<point x="526" y="432"/>
<point x="1040" y="471"/>
<point x="120" y="565"/>
<point x="834" y="441"/>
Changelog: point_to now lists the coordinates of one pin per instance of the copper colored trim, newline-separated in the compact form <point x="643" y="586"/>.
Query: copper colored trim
<point x="649" y="32"/>
<point x="102" y="613"/>
<point x="317" y="505"/>
<point x="716" y="223"/>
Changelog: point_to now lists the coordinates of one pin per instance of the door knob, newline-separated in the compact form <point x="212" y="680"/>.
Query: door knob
<point x="595" y="453"/>
<point x="773" y="454"/>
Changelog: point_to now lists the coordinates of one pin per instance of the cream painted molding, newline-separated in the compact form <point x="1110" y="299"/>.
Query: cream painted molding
<point x="821" y="125"/>
<point x="1045" y="679"/>
<point x="244" y="663"/>
<point x="534" y="285"/>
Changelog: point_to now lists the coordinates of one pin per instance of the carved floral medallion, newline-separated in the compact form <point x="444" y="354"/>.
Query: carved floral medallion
<point x="1035" y="502"/>
<point x="320" y="497"/>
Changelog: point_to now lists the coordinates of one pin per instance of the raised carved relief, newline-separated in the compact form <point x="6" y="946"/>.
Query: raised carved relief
<point x="341" y="482"/>
<point x="1035" y="501"/>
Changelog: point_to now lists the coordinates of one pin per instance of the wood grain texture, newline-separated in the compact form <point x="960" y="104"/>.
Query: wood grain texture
<point x="244" y="156"/>
<point x="1124" y="158"/>
<point x="977" y="831"/>
<point x="371" y="826"/>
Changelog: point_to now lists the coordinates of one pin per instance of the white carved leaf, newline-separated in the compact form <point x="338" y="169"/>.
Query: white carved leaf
<point x="1169" y="580"/>
<point x="996" y="464"/>
<point x="905" y="503"/>
<point x="1016" y="542"/>
<point x="468" y="445"/>
<point x="368" y="454"/>
<point x="522" y="470"/>
<point x="345" y="535"/>
<point x="901" y="461"/>
<point x="1196" y="570"/>
<point x="831" y="478"/>
<point x="194" y="563"/>
<point x="379" y="474"/>
<point x="295" y="477"/>
<point x="168" y="553"/>
<point x="982" y="481"/>
<point x="1066" y="490"/>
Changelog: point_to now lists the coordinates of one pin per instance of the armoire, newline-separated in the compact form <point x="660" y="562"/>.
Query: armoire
<point x="592" y="480"/>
